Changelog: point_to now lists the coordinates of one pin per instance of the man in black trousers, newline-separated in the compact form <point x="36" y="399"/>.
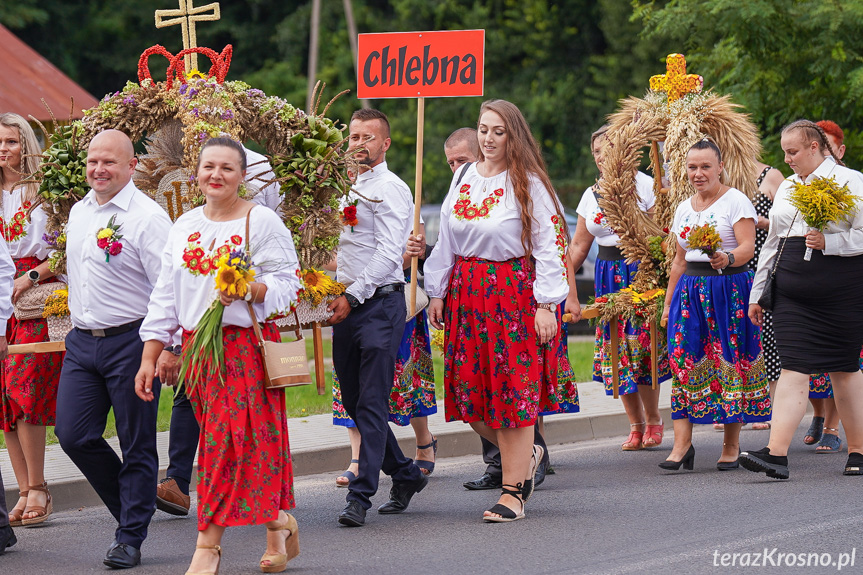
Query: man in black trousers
<point x="369" y="320"/>
<point x="109" y="288"/>
<point x="7" y="272"/>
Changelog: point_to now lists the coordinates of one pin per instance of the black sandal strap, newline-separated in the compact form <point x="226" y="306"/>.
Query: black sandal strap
<point x="503" y="511"/>
<point x="517" y="492"/>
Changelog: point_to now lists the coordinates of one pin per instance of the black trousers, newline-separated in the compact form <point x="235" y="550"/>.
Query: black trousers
<point x="182" y="440"/>
<point x="491" y="454"/>
<point x="98" y="374"/>
<point x="365" y="345"/>
<point x="4" y="515"/>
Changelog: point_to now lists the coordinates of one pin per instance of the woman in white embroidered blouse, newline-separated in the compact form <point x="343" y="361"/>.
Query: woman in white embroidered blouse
<point x="244" y="456"/>
<point x="612" y="273"/>
<point x="499" y="314"/>
<point x="817" y="303"/>
<point x="29" y="382"/>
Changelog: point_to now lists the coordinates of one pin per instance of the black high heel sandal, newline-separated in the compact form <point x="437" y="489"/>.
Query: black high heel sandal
<point x="688" y="461"/>
<point x="507" y="515"/>
<point x="854" y="465"/>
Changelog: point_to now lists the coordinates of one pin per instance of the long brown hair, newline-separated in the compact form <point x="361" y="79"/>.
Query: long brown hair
<point x="812" y="132"/>
<point x="523" y="159"/>
<point x="30" y="153"/>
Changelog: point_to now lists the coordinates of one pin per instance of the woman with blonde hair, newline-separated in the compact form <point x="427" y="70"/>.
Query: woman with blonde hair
<point x="495" y="277"/>
<point x="29" y="383"/>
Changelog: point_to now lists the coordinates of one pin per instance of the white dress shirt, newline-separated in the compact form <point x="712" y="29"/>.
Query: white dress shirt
<point x="842" y="238"/>
<point x="258" y="173"/>
<point x="105" y="294"/>
<point x="588" y="208"/>
<point x="7" y="275"/>
<point x="732" y="207"/>
<point x="496" y="236"/>
<point x="370" y="254"/>
<point x="23" y="239"/>
<point x="181" y="297"/>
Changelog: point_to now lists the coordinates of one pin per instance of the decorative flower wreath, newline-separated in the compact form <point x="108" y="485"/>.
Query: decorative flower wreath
<point x="173" y="118"/>
<point x="679" y="115"/>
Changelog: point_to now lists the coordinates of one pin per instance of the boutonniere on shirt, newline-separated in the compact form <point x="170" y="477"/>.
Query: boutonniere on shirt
<point x="108" y="239"/>
<point x="349" y="215"/>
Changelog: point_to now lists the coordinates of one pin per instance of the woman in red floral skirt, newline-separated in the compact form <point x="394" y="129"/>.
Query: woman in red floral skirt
<point x="244" y="463"/>
<point x="495" y="277"/>
<point x="28" y="386"/>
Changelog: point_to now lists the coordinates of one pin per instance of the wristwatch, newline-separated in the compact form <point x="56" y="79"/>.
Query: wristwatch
<point x="730" y="259"/>
<point x="352" y="301"/>
<point x="552" y="307"/>
<point x="33" y="276"/>
<point x="248" y="296"/>
<point x="175" y="349"/>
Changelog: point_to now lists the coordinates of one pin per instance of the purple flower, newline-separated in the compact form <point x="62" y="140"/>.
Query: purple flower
<point x="192" y="179"/>
<point x="202" y="136"/>
<point x="130" y="100"/>
<point x="192" y="92"/>
<point x="195" y="112"/>
<point x="327" y="210"/>
<point x="302" y="226"/>
<point x="227" y="115"/>
<point x="254" y="92"/>
<point x="183" y="88"/>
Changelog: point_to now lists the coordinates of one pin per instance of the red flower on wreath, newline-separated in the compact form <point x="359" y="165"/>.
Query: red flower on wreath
<point x="349" y="215"/>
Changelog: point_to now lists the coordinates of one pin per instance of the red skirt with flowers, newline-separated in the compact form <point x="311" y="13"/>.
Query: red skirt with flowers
<point x="28" y="385"/>
<point x="494" y="369"/>
<point x="245" y="474"/>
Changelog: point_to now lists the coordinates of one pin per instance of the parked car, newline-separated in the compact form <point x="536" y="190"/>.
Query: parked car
<point x="583" y="275"/>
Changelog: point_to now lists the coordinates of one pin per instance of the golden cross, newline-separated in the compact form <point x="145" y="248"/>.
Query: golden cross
<point x="676" y="82"/>
<point x="186" y="17"/>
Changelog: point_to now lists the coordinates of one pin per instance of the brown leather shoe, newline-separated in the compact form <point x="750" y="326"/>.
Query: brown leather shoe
<point x="170" y="499"/>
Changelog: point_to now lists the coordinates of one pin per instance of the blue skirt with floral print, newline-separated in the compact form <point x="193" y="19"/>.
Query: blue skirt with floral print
<point x="715" y="351"/>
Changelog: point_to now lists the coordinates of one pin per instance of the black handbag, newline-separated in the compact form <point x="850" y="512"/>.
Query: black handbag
<point x="766" y="299"/>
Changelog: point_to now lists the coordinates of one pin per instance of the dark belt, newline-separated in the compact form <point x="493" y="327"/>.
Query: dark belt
<point x="704" y="269"/>
<point x="109" y="331"/>
<point x="389" y="288"/>
<point x="610" y="253"/>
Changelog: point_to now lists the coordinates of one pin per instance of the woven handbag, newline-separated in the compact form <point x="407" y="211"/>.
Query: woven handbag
<point x="31" y="303"/>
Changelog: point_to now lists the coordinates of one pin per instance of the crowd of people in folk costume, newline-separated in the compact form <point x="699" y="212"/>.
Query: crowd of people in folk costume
<point x="499" y="278"/>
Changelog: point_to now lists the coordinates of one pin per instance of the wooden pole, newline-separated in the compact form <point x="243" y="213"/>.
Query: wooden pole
<point x="42" y="347"/>
<point x="313" y="53"/>
<point x="654" y="356"/>
<point x="318" y="346"/>
<point x="418" y="196"/>
<point x="615" y="357"/>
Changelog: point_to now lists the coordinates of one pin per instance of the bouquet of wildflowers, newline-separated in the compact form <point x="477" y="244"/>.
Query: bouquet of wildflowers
<point x="206" y="354"/>
<point x="704" y="238"/>
<point x="822" y="202"/>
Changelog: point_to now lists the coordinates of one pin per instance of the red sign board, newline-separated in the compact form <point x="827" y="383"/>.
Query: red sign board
<point x="421" y="64"/>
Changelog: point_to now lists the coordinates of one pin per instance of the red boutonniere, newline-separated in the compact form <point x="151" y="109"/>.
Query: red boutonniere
<point x="349" y="215"/>
<point x="108" y="239"/>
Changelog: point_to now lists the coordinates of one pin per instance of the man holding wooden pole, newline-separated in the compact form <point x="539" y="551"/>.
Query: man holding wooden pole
<point x="368" y="321"/>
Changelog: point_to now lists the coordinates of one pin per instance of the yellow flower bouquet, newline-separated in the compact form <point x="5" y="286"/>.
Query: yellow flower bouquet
<point x="821" y="202"/>
<point x="206" y="354"/>
<point x="706" y="239"/>
<point x="317" y="285"/>
<point x="57" y="315"/>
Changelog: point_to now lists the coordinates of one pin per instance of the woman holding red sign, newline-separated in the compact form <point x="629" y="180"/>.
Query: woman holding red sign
<point x="495" y="277"/>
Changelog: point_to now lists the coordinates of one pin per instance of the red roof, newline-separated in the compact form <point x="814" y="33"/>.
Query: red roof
<point x="28" y="78"/>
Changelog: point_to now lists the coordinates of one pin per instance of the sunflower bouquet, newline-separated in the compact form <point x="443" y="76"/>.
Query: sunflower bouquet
<point x="317" y="285"/>
<point x="822" y="202"/>
<point x="233" y="274"/>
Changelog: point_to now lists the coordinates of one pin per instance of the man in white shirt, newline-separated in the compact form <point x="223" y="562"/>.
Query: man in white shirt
<point x="369" y="319"/>
<point x="109" y="288"/>
<point x="7" y="273"/>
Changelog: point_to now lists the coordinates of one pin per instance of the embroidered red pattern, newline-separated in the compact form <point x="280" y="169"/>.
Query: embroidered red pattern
<point x="198" y="262"/>
<point x="465" y="210"/>
<point x="17" y="228"/>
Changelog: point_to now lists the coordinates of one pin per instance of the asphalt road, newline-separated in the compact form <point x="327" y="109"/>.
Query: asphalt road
<point x="604" y="511"/>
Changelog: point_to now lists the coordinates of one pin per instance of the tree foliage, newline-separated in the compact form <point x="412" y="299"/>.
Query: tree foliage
<point x="782" y="59"/>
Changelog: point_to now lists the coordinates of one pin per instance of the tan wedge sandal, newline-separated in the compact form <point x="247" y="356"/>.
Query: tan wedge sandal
<point x="42" y="513"/>
<point x="16" y="515"/>
<point x="218" y="549"/>
<point x="276" y="563"/>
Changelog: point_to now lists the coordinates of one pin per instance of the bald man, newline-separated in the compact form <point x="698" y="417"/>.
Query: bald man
<point x="108" y="296"/>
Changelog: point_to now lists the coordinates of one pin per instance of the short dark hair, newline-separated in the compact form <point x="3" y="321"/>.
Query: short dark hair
<point x="464" y="135"/>
<point x="225" y="142"/>
<point x="598" y="134"/>
<point x="707" y="144"/>
<point x="368" y="114"/>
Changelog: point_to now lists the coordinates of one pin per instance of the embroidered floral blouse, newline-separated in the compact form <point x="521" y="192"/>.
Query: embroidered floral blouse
<point x="186" y="285"/>
<point x="482" y="219"/>
<point x="23" y="238"/>
<point x="597" y="225"/>
<point x="732" y="207"/>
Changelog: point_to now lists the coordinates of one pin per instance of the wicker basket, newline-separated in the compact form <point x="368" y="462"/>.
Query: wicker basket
<point x="59" y="327"/>
<point x="307" y="313"/>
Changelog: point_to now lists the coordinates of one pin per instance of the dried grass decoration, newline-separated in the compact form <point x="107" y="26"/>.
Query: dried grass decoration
<point x="821" y="202"/>
<point x="305" y="149"/>
<point x="633" y="306"/>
